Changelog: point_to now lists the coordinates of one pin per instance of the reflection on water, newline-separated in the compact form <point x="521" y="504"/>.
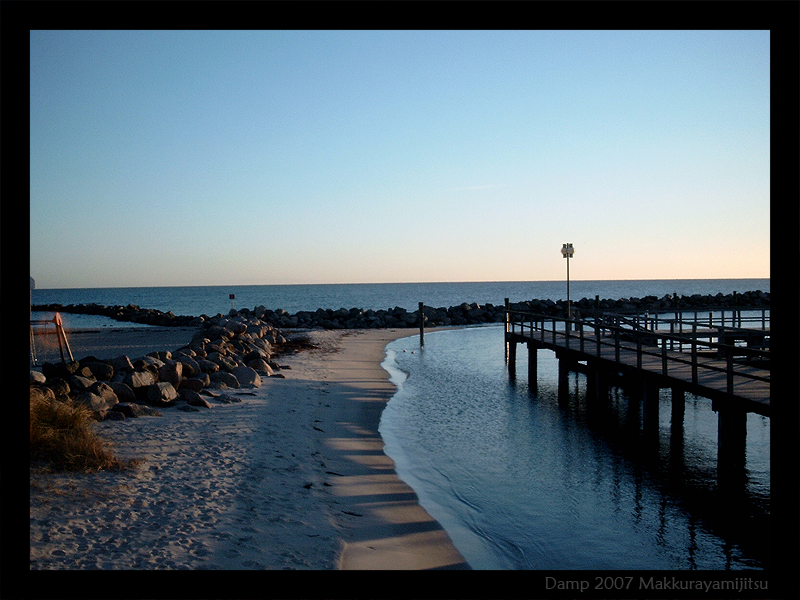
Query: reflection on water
<point x="524" y="481"/>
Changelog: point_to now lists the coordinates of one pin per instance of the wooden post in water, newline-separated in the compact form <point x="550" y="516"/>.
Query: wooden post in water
<point x="731" y="444"/>
<point x="421" y="325"/>
<point x="512" y="359"/>
<point x="533" y="383"/>
<point x="563" y="379"/>
<point x="507" y="328"/>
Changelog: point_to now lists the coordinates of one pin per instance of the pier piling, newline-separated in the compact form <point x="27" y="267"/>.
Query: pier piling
<point x="421" y="324"/>
<point x="698" y="358"/>
<point x="533" y="375"/>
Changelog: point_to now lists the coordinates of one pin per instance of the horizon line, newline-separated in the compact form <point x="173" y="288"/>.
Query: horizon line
<point x="231" y="285"/>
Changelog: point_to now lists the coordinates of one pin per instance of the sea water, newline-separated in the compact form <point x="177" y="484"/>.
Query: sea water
<point x="520" y="480"/>
<point x="211" y="300"/>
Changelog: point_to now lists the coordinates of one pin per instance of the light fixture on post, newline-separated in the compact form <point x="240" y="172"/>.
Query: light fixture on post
<point x="567" y="251"/>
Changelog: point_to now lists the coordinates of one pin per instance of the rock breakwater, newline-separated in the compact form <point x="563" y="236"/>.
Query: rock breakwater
<point x="462" y="314"/>
<point x="224" y="358"/>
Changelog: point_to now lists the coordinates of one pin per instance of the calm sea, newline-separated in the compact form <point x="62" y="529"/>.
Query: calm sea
<point x="211" y="300"/>
<point x="519" y="480"/>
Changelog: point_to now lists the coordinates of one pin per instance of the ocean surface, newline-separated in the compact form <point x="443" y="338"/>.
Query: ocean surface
<point x="520" y="480"/>
<point x="211" y="300"/>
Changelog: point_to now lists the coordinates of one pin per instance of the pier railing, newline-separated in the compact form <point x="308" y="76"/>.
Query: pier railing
<point x="734" y="318"/>
<point x="687" y="351"/>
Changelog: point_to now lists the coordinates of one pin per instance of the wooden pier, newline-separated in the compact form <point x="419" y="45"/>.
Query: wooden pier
<point x="725" y="361"/>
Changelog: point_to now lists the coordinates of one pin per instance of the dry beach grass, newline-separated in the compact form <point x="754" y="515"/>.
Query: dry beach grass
<point x="292" y="477"/>
<point x="62" y="436"/>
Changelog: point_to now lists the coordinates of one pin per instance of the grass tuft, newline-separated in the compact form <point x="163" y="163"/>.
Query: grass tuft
<point x="62" y="436"/>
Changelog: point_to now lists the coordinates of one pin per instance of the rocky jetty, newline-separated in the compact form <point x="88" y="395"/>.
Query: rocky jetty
<point x="131" y="313"/>
<point x="231" y="353"/>
<point x="225" y="357"/>
<point x="463" y="314"/>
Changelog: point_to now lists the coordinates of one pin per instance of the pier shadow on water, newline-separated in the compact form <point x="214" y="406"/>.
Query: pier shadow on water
<point x="678" y="458"/>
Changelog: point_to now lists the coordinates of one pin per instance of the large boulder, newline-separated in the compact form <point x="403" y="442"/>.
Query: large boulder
<point x="207" y="366"/>
<point x="161" y="394"/>
<point x="192" y="383"/>
<point x="100" y="398"/>
<point x="171" y="372"/>
<point x="200" y="336"/>
<point x="190" y="366"/>
<point x="80" y="383"/>
<point x="259" y="329"/>
<point x="64" y="370"/>
<point x="218" y="346"/>
<point x="162" y="355"/>
<point x="475" y="313"/>
<point x="226" y="363"/>
<point x="124" y="392"/>
<point x="216" y="332"/>
<point x="247" y="376"/>
<point x="150" y="363"/>
<point x="186" y="394"/>
<point x="223" y="380"/>
<point x="235" y="326"/>
<point x="196" y="346"/>
<point x="193" y="398"/>
<point x="410" y="318"/>
<point x="261" y="365"/>
<point x="204" y="377"/>
<point x="121" y="363"/>
<point x="85" y="371"/>
<point x="104" y="389"/>
<point x="100" y="370"/>
<point x="255" y="354"/>
<point x="139" y="379"/>
<point x="93" y="402"/>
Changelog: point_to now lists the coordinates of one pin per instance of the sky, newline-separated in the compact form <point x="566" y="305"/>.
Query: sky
<point x="161" y="158"/>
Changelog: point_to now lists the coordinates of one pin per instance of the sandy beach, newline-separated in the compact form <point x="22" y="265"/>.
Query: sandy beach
<point x="291" y="477"/>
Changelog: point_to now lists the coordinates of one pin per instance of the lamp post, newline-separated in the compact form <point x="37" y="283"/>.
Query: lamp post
<point x="567" y="251"/>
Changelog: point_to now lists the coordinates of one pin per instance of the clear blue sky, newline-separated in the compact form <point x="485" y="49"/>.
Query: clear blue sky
<point x="225" y="158"/>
